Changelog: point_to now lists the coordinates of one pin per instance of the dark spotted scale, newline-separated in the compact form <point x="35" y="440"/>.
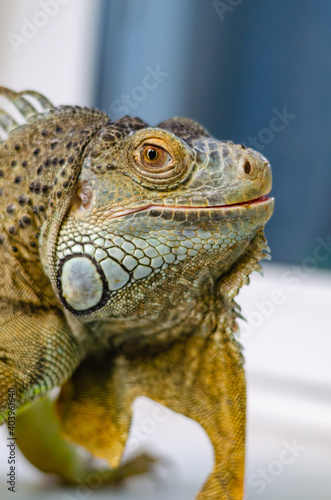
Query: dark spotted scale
<point x="36" y="164"/>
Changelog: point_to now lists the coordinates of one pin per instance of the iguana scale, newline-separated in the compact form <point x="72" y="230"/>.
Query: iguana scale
<point x="122" y="247"/>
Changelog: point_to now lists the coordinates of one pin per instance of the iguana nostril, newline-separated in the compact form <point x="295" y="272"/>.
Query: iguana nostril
<point x="247" y="167"/>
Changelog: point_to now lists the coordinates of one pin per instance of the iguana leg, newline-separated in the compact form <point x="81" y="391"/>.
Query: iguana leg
<point x="201" y="378"/>
<point x="38" y="351"/>
<point x="40" y="439"/>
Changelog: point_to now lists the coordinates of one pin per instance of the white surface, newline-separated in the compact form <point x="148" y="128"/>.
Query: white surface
<point x="56" y="55"/>
<point x="289" y="404"/>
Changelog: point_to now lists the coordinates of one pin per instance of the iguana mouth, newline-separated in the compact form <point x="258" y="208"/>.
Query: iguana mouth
<point x="128" y="211"/>
<point x="250" y="202"/>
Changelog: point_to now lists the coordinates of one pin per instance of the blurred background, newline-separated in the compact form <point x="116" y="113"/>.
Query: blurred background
<point x="256" y="72"/>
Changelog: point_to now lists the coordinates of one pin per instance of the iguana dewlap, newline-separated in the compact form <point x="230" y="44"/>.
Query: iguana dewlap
<point x="122" y="247"/>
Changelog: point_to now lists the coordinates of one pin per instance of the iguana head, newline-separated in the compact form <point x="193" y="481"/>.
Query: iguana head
<point x="158" y="211"/>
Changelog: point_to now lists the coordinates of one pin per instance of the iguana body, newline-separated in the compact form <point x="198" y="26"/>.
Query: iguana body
<point x="122" y="248"/>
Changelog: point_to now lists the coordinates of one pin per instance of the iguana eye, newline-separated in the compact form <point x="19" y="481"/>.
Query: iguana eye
<point x="154" y="156"/>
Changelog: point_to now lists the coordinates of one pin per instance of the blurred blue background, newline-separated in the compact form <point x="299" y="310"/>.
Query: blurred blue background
<point x="256" y="72"/>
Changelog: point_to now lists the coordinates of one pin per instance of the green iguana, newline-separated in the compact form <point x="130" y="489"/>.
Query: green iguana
<point x="122" y="247"/>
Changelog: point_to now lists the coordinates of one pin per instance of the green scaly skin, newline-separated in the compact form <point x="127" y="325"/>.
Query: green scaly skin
<point x="122" y="249"/>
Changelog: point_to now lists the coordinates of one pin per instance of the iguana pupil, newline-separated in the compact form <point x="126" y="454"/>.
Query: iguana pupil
<point x="152" y="154"/>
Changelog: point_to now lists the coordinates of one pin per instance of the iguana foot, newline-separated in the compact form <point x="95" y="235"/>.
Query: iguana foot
<point x="41" y="441"/>
<point x="136" y="466"/>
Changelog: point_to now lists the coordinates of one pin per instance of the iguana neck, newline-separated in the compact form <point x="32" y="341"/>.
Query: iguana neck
<point x="214" y="309"/>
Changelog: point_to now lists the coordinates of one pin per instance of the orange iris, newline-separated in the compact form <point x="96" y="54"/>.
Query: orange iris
<point x="154" y="156"/>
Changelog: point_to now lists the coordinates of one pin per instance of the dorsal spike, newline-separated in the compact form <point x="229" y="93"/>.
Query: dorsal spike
<point x="7" y="122"/>
<point x="28" y="103"/>
<point x="22" y="105"/>
<point x="43" y="102"/>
